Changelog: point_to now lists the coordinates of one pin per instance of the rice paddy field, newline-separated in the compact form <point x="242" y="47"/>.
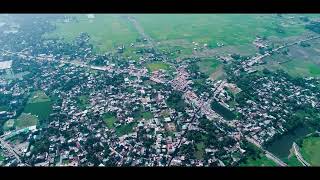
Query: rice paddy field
<point x="178" y="31"/>
<point x="106" y="30"/>
<point x="208" y="66"/>
<point x="229" y="29"/>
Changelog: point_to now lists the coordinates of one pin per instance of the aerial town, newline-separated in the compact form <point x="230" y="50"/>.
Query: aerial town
<point x="64" y="104"/>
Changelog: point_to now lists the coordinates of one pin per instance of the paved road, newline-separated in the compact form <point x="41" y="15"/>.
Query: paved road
<point x="182" y="136"/>
<point x="141" y="31"/>
<point x="296" y="151"/>
<point x="258" y="58"/>
<point x="5" y="145"/>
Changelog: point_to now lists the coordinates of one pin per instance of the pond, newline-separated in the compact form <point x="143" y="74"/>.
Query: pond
<point x="282" y="145"/>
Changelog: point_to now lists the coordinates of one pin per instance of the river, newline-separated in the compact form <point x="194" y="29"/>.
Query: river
<point x="281" y="146"/>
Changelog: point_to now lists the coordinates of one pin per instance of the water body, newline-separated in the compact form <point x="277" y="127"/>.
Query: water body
<point x="281" y="146"/>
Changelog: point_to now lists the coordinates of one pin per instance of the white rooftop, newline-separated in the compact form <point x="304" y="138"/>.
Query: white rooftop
<point x="5" y="64"/>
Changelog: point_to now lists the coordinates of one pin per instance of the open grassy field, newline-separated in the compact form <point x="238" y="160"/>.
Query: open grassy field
<point x="109" y="119"/>
<point x="39" y="105"/>
<point x="2" y="158"/>
<point x="230" y="29"/>
<point x="199" y="150"/>
<point x="83" y="102"/>
<point x="106" y="30"/>
<point x="38" y="96"/>
<point x="310" y="150"/>
<point x="147" y="115"/>
<point x="157" y="66"/>
<point x="208" y="66"/>
<point x="8" y="124"/>
<point x="4" y="108"/>
<point x="125" y="129"/>
<point x="26" y="120"/>
<point x="293" y="162"/>
<point x="263" y="161"/>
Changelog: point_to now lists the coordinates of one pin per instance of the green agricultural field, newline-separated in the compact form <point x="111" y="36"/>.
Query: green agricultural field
<point x="176" y="50"/>
<point x="106" y="30"/>
<point x="157" y="66"/>
<point x="263" y="161"/>
<point x="230" y="29"/>
<point x="301" y="68"/>
<point x="310" y="150"/>
<point x="208" y="66"/>
<point x="26" y="120"/>
<point x="125" y="129"/>
<point x="109" y="119"/>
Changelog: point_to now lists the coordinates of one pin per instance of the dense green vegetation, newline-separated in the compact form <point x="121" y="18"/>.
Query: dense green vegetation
<point x="314" y="26"/>
<point x="254" y="156"/>
<point x="223" y="111"/>
<point x="176" y="101"/>
<point x="4" y="108"/>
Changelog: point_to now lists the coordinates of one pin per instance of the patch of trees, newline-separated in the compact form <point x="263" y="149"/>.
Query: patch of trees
<point x="194" y="135"/>
<point x="99" y="61"/>
<point x="40" y="145"/>
<point x="188" y="150"/>
<point x="313" y="26"/>
<point x="251" y="151"/>
<point x="305" y="44"/>
<point x="176" y="101"/>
